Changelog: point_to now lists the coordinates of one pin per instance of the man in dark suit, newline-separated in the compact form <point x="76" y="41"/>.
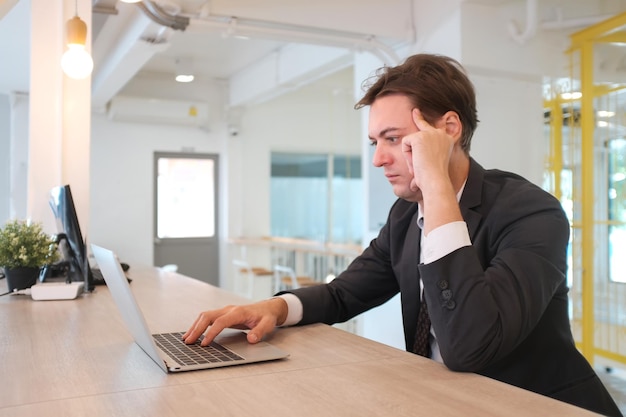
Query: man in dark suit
<point x="478" y="256"/>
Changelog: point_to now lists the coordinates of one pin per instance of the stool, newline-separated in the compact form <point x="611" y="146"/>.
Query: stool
<point x="170" y="268"/>
<point x="285" y="278"/>
<point x="247" y="277"/>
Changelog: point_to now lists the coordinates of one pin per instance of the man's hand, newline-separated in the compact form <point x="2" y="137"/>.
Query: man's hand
<point x="430" y="154"/>
<point x="427" y="152"/>
<point x="261" y="318"/>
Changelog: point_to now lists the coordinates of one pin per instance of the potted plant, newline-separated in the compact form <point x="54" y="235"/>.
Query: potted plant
<point x="24" y="250"/>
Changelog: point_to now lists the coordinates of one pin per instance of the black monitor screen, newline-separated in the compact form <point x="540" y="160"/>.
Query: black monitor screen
<point x="74" y="249"/>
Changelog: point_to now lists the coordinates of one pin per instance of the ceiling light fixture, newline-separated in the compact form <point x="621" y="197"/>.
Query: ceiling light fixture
<point x="184" y="71"/>
<point x="572" y="96"/>
<point x="605" y="113"/>
<point x="76" y="61"/>
<point x="131" y="1"/>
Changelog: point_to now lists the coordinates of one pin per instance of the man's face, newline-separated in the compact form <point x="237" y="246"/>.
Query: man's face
<point x="390" y="120"/>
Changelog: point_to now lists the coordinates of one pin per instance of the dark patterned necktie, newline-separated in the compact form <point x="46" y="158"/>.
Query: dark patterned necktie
<point x="422" y="345"/>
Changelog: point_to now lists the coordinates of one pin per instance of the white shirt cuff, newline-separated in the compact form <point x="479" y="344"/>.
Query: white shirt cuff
<point x="444" y="240"/>
<point x="294" y="309"/>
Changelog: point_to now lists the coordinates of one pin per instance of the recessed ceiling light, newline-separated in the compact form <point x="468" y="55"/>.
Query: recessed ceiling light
<point x="184" y="70"/>
<point x="184" y="78"/>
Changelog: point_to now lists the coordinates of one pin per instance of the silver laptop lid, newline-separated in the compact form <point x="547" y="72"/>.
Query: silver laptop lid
<point x="126" y="303"/>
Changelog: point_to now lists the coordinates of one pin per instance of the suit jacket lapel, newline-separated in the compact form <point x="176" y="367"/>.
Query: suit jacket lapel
<point x="472" y="197"/>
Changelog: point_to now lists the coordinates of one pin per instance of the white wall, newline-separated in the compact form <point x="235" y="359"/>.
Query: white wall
<point x="487" y="43"/>
<point x="19" y="147"/>
<point x="5" y="151"/>
<point x="510" y="132"/>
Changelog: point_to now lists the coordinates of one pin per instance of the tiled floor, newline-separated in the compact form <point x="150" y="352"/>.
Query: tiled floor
<point x="615" y="382"/>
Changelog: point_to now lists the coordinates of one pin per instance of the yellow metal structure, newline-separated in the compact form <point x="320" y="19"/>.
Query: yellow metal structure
<point x="579" y="148"/>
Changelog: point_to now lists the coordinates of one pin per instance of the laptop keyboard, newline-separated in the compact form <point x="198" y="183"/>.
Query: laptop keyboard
<point x="173" y="345"/>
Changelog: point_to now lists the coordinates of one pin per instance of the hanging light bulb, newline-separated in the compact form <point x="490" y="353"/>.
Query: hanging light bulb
<point x="76" y="61"/>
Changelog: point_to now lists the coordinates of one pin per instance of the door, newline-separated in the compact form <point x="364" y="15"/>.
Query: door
<point x="185" y="229"/>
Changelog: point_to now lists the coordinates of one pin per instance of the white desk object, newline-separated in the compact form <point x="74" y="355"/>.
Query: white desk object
<point x="56" y="290"/>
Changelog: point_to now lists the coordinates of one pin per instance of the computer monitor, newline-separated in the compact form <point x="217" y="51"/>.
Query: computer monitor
<point x="71" y="243"/>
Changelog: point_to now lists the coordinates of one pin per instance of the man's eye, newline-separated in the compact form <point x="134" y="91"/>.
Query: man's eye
<point x="373" y="142"/>
<point x="393" y="139"/>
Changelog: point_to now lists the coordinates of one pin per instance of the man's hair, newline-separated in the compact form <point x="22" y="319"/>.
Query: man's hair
<point x="435" y="84"/>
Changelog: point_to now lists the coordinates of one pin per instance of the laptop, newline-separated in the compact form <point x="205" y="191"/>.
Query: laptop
<point x="168" y="349"/>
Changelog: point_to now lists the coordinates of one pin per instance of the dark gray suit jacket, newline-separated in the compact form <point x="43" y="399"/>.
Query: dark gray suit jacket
<point x="499" y="307"/>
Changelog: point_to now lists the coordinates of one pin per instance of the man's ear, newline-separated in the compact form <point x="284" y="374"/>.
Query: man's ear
<point x="453" y="124"/>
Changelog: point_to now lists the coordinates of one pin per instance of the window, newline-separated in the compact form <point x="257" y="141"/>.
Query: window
<point x="316" y="197"/>
<point x="617" y="209"/>
<point x="185" y="197"/>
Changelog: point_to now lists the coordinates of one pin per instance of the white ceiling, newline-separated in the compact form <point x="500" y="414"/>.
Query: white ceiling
<point x="213" y="37"/>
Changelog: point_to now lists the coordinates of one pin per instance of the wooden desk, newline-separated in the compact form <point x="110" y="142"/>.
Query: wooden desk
<point x="76" y="358"/>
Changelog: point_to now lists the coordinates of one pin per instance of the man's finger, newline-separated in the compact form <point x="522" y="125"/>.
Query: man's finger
<point x="419" y="120"/>
<point x="196" y="329"/>
<point x="406" y="145"/>
<point x="264" y="326"/>
<point x="216" y="328"/>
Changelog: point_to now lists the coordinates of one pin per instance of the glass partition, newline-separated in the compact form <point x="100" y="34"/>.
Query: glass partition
<point x="316" y="197"/>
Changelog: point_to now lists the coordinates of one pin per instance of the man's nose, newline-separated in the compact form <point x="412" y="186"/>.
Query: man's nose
<point x="380" y="157"/>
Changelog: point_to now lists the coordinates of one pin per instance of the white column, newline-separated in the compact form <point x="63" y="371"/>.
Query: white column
<point x="60" y="115"/>
<point x="45" y="128"/>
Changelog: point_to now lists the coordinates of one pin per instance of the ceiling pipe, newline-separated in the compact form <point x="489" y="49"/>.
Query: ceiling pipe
<point x="160" y="16"/>
<point x="531" y="24"/>
<point x="232" y="26"/>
